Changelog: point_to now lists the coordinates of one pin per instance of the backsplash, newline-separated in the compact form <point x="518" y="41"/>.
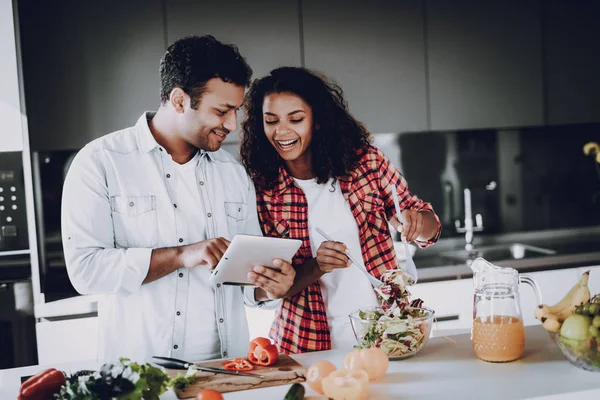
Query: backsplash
<point x="525" y="179"/>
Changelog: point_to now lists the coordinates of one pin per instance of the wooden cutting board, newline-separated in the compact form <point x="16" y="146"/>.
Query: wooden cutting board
<point x="284" y="372"/>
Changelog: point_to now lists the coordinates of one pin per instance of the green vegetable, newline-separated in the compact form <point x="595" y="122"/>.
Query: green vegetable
<point x="182" y="381"/>
<point x="124" y="380"/>
<point x="296" y="392"/>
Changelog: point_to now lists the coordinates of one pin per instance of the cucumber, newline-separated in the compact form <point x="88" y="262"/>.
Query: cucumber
<point x="296" y="392"/>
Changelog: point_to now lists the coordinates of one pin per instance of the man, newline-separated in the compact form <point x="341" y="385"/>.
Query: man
<point x="148" y="211"/>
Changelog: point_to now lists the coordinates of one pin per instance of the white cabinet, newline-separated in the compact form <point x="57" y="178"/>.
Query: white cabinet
<point x="452" y="302"/>
<point x="67" y="340"/>
<point x="259" y="321"/>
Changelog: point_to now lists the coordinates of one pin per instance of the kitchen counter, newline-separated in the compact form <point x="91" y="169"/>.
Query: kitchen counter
<point x="443" y="369"/>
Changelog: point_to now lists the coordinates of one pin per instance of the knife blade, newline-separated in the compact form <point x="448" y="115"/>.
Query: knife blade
<point x="174" y="363"/>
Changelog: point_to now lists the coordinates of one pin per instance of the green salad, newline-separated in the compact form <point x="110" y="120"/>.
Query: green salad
<point x="397" y="327"/>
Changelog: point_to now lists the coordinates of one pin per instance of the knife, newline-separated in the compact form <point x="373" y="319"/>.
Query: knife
<point x="174" y="363"/>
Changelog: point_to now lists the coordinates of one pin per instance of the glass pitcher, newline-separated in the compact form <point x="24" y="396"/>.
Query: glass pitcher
<point x="498" y="334"/>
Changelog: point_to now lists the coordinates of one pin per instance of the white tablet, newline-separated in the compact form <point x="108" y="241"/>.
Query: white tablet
<point x="247" y="251"/>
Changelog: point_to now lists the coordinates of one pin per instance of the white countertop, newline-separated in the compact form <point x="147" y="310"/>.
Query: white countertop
<point x="441" y="370"/>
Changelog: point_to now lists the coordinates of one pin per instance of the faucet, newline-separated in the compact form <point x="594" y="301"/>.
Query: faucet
<point x="469" y="228"/>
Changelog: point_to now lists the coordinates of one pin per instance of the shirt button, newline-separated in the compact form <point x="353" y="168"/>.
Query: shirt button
<point x="178" y="313"/>
<point x="160" y="148"/>
<point x="175" y="347"/>
<point x="218" y="285"/>
<point x="180" y="240"/>
<point x="224" y="354"/>
<point x="201" y="183"/>
<point x="221" y="320"/>
<point x="209" y="215"/>
<point x="131" y="204"/>
<point x="168" y="175"/>
<point x="175" y="205"/>
<point x="181" y="274"/>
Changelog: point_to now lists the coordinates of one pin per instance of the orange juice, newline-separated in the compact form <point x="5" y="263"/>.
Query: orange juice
<point x="498" y="338"/>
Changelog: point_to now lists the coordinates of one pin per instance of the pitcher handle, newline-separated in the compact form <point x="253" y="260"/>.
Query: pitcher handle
<point x="536" y="289"/>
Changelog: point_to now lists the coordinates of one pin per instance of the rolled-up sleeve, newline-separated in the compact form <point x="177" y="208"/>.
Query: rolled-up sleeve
<point x="94" y="265"/>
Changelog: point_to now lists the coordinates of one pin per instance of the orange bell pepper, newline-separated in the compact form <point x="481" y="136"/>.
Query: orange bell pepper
<point x="238" y="364"/>
<point x="263" y="352"/>
<point x="43" y="385"/>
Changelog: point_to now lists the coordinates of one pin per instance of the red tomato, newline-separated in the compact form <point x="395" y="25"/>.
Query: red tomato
<point x="209" y="395"/>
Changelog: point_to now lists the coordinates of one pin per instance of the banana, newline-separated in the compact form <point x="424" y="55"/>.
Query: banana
<point x="579" y="294"/>
<point x="542" y="310"/>
<point x="551" y="323"/>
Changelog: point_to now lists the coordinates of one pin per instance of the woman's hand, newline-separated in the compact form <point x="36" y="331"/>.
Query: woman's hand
<point x="332" y="255"/>
<point x="420" y="225"/>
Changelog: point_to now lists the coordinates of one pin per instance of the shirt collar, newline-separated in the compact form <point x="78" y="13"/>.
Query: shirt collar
<point x="146" y="140"/>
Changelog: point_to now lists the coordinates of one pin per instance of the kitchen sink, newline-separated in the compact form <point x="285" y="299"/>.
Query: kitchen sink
<point x="500" y="252"/>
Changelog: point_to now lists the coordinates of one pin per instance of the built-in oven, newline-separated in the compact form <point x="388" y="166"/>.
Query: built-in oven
<point x="49" y="171"/>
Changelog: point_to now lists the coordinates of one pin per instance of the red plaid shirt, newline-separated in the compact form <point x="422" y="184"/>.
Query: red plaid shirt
<point x="301" y="322"/>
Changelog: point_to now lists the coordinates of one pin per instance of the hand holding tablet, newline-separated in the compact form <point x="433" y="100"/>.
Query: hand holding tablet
<point x="245" y="252"/>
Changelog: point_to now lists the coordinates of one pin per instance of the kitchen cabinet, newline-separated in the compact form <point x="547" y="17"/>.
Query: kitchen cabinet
<point x="67" y="340"/>
<point x="90" y="67"/>
<point x="376" y="52"/>
<point x="572" y="60"/>
<point x="484" y="64"/>
<point x="266" y="32"/>
<point x="451" y="300"/>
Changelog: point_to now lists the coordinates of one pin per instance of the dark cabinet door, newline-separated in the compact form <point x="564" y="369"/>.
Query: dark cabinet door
<point x="572" y="57"/>
<point x="266" y="32"/>
<point x="89" y="67"/>
<point x="375" y="51"/>
<point x="485" y="63"/>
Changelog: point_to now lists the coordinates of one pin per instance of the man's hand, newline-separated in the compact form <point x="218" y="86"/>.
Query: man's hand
<point x="272" y="284"/>
<point x="332" y="255"/>
<point x="204" y="253"/>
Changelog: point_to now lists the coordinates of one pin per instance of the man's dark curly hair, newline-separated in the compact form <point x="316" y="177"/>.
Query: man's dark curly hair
<point x="192" y="61"/>
<point x="336" y="139"/>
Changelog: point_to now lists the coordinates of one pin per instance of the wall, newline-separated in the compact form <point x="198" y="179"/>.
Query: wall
<point x="10" y="109"/>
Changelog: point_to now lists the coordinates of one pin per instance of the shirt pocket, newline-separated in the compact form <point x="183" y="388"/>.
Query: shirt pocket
<point x="373" y="208"/>
<point x="134" y="221"/>
<point x="236" y="217"/>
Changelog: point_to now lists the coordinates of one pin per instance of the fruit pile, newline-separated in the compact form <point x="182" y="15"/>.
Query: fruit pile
<point x="574" y="323"/>
<point x="553" y="317"/>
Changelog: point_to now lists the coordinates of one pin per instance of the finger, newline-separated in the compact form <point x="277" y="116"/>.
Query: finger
<point x="284" y="266"/>
<point x="342" y="257"/>
<point x="337" y="246"/>
<point x="221" y="243"/>
<point x="396" y="223"/>
<point x="420" y="226"/>
<point x="329" y="262"/>
<point x="209" y="260"/>
<point x="261" y="281"/>
<point x="267" y="272"/>
<point x="414" y="226"/>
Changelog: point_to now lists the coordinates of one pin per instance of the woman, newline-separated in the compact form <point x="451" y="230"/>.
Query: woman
<point x="313" y="166"/>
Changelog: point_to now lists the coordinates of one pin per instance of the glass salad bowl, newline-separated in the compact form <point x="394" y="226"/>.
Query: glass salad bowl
<point x="584" y="354"/>
<point x="399" y="336"/>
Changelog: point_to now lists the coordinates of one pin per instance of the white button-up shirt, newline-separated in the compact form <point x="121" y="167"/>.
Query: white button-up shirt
<point x="119" y="203"/>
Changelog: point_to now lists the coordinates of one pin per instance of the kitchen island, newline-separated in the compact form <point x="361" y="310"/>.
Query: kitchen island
<point x="445" y="369"/>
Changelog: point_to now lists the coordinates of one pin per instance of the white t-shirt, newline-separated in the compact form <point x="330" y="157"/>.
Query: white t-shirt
<point x="201" y="326"/>
<point x="344" y="290"/>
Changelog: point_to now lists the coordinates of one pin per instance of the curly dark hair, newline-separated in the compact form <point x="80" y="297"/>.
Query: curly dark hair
<point x="192" y="61"/>
<point x="337" y="137"/>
